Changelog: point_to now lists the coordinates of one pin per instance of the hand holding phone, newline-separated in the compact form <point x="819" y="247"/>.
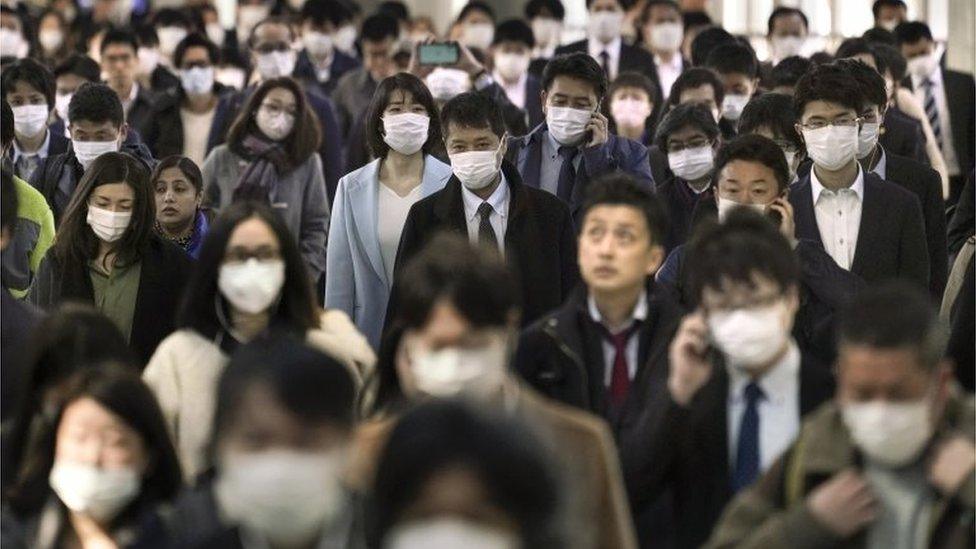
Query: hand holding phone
<point x="438" y="54"/>
<point x="781" y="212"/>
<point x="597" y="131"/>
<point x="689" y="356"/>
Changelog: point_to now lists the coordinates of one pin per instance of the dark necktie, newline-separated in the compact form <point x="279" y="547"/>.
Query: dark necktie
<point x="932" y="110"/>
<point x="567" y="173"/>
<point x="486" y="233"/>
<point x="620" y="375"/>
<point x="605" y="63"/>
<point x="747" y="453"/>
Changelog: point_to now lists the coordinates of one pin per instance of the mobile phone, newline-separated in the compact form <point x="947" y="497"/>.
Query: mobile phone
<point x="775" y="216"/>
<point x="438" y="53"/>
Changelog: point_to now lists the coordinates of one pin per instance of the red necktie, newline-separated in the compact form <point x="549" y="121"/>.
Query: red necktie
<point x="620" y="376"/>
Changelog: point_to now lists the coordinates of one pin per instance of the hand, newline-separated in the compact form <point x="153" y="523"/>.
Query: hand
<point x="598" y="126"/>
<point x="953" y="460"/>
<point x="468" y="63"/>
<point x="787" y="226"/>
<point x="690" y="367"/>
<point x="415" y="68"/>
<point x="844" y="504"/>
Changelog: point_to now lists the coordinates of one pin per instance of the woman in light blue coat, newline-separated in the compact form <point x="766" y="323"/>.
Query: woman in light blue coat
<point x="372" y="203"/>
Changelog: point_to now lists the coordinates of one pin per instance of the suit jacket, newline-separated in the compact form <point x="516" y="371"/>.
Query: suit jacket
<point x="891" y="237"/>
<point x="660" y="168"/>
<point x="684" y="209"/>
<point x="341" y="64"/>
<point x="963" y="222"/>
<point x="141" y="111"/>
<point x="533" y="101"/>
<point x="540" y="241"/>
<point x="903" y="136"/>
<point x="960" y="90"/>
<point x="632" y="58"/>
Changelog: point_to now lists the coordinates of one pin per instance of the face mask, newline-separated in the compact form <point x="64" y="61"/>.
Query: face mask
<point x="477" y="35"/>
<point x="169" y="38"/>
<point x="867" y="138"/>
<point x="275" y="126"/>
<point x="87" y="151"/>
<point x="888" y="24"/>
<point x="318" y="44"/>
<point x="891" y="433"/>
<point x="750" y="338"/>
<point x="732" y="106"/>
<point x="249" y="16"/>
<point x="215" y="33"/>
<point x="923" y="65"/>
<point x="230" y="76"/>
<point x="667" y="36"/>
<point x="448" y="533"/>
<point x="197" y="80"/>
<point x="692" y="164"/>
<point x="252" y="286"/>
<point x="630" y="112"/>
<point x="511" y="65"/>
<point x="605" y="25"/>
<point x="50" y="40"/>
<point x="92" y="491"/>
<point x="276" y="64"/>
<point x="11" y="44"/>
<point x="787" y="46"/>
<point x="567" y="125"/>
<point x="148" y="60"/>
<point x="286" y="496"/>
<point x="725" y="206"/>
<point x="61" y="103"/>
<point x="30" y="120"/>
<point x="831" y="147"/>
<point x="546" y="31"/>
<point x="452" y="372"/>
<point x="406" y="133"/>
<point x="445" y="83"/>
<point x="107" y="225"/>
<point x="476" y="169"/>
<point x="345" y="39"/>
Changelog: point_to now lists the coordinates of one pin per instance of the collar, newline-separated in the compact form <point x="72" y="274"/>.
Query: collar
<point x="551" y="146"/>
<point x="675" y="63"/>
<point x="881" y="168"/>
<point x="595" y="47"/>
<point x="935" y="77"/>
<point x="638" y="314"/>
<point x="498" y="199"/>
<point x="817" y="187"/>
<point x="40" y="152"/>
<point x="518" y="85"/>
<point x="133" y="93"/>
<point x="784" y="376"/>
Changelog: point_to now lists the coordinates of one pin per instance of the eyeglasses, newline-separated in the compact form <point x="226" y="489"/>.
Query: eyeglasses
<point x="843" y="122"/>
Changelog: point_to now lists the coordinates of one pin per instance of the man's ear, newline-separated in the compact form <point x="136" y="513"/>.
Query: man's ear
<point x="544" y="95"/>
<point x="656" y="258"/>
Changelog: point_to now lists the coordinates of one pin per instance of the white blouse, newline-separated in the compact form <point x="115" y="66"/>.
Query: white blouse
<point x="391" y="215"/>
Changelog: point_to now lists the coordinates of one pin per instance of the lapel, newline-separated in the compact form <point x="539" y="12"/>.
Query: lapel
<point x="151" y="279"/>
<point x="870" y="229"/>
<point x="816" y="385"/>
<point x="806" y="220"/>
<point x="529" y="159"/>
<point x="448" y="208"/>
<point x="364" y="202"/>
<point x="713" y="440"/>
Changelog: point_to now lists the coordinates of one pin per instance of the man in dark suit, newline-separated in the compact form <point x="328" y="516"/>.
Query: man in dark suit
<point x="486" y="200"/>
<point x="29" y="88"/>
<point x="320" y="63"/>
<point x="662" y="32"/>
<point x="510" y="52"/>
<point x="120" y="63"/>
<point x="737" y="386"/>
<point x="574" y="144"/>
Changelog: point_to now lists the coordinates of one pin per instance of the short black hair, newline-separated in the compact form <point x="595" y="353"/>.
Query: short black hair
<point x="33" y="74"/>
<point x="911" y="32"/>
<point x="859" y="46"/>
<point x="146" y="35"/>
<point x="172" y="17"/>
<point x="871" y="83"/>
<point x="878" y="4"/>
<point x="273" y="20"/>
<point x="96" y="102"/>
<point x="894" y="60"/>
<point x="828" y="82"/>
<point x="773" y="111"/>
<point x="893" y="315"/>
<point x="7" y="124"/>
<point x="754" y="148"/>
<point x="733" y="58"/>
<point x="472" y="110"/>
<point x="8" y="201"/>
<point x="621" y="189"/>
<point x="514" y="30"/>
<point x="821" y="58"/>
<point x="705" y="42"/>
<point x="744" y="245"/>
<point x="320" y="12"/>
<point x="682" y="116"/>
<point x="625" y="4"/>
<point x="878" y="35"/>
<point x="196" y="40"/>
<point x="788" y="71"/>
<point x="634" y="79"/>
<point x="476" y="5"/>
<point x="396" y="9"/>
<point x="535" y="8"/>
<point x="408" y="83"/>
<point x="785" y="11"/>
<point x="696" y="18"/>
<point x="577" y="65"/>
<point x="119" y="36"/>
<point x="79" y="65"/>
<point x="695" y="78"/>
<point x="379" y="27"/>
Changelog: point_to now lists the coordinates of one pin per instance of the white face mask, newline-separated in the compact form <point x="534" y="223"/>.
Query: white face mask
<point x="453" y="372"/>
<point x="276" y="64"/>
<point x="61" y="103"/>
<point x="169" y="38"/>
<point x="287" y="496"/>
<point x="890" y="433"/>
<point x="12" y="44"/>
<point x="30" y="120"/>
<point x="923" y="65"/>
<point x="605" y="26"/>
<point x="216" y="33"/>
<point x="230" y="76"/>
<point x="345" y="39"/>
<point x="567" y="125"/>
<point x="750" y="338"/>
<point x="477" y="35"/>
<point x="107" y="225"/>
<point x="476" y="169"/>
<point x="87" y="151"/>
<point x="197" y="80"/>
<point x="511" y="65"/>
<point x="787" y="46"/>
<point x="318" y="44"/>
<point x="725" y="206"/>
<point x="448" y="533"/>
<point x="867" y="138"/>
<point x="50" y="39"/>
<point x="889" y="24"/>
<point x="546" y="31"/>
<point x="275" y="126"/>
<point x="406" y="133"/>
<point x="92" y="491"/>
<point x="732" y="106"/>
<point x="252" y="286"/>
<point x="667" y="36"/>
<point x="446" y="83"/>
<point x="692" y="164"/>
<point x="148" y="60"/>
<point x="831" y="147"/>
<point x="630" y="112"/>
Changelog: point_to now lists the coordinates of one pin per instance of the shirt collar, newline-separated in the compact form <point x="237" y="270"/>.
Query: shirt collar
<point x="498" y="199"/>
<point x="551" y="145"/>
<point x="596" y="47"/>
<point x="675" y="63"/>
<point x="935" y="77"/>
<point x="881" y="168"/>
<point x="518" y="85"/>
<point x="639" y="312"/>
<point x="817" y="187"/>
<point x="775" y="383"/>
<point x="40" y="153"/>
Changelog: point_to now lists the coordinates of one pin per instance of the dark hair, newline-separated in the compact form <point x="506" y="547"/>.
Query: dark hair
<point x="506" y="458"/>
<point x="744" y="245"/>
<point x="295" y="310"/>
<point x="394" y="8"/>
<point x="379" y="27"/>
<point x="7" y="124"/>
<point x="472" y="110"/>
<point x="878" y="35"/>
<point x="696" y="18"/>
<point x="911" y="32"/>
<point x="320" y="12"/>
<point x="407" y="83"/>
<point x="119" y="36"/>
<point x="624" y="4"/>
<point x="514" y="30"/>
<point x="31" y="73"/>
<point x="80" y="65"/>
<point x="695" y="78"/>
<point x="871" y="83"/>
<point x="96" y="102"/>
<point x="126" y="396"/>
<point x="577" y="65"/>
<point x="754" y="148"/>
<point x="893" y="315"/>
<point x="534" y="8"/>
<point x="146" y="35"/>
<point x="821" y="58"/>
<point x="305" y="136"/>
<point x="894" y="60"/>
<point x="8" y="206"/>
<point x="733" y="58"/>
<point x="774" y="111"/>
<point x="682" y="116"/>
<point x="859" y="46"/>
<point x="788" y="71"/>
<point x="828" y="82"/>
<point x="878" y="4"/>
<point x="76" y="243"/>
<point x="195" y="40"/>
<point x="621" y="189"/>
<point x="476" y="5"/>
<point x="705" y="42"/>
<point x="188" y="167"/>
<point x="633" y="79"/>
<point x="171" y="17"/>
<point x="783" y="11"/>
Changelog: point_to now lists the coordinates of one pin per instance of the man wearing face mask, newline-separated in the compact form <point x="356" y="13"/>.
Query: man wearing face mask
<point x="787" y="31"/>
<point x="546" y="19"/>
<point x="321" y="63"/>
<point x="476" y="25"/>
<point x="888" y="14"/>
<point x="28" y="87"/>
<point x="354" y="91"/>
<point x="12" y="42"/>
<point x="737" y="68"/>
<point x="662" y="32"/>
<point x="152" y="74"/>
<point x="487" y="200"/>
<point x="889" y="462"/>
<point x="511" y="55"/>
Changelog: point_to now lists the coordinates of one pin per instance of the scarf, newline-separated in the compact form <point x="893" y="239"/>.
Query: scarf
<point x="260" y="177"/>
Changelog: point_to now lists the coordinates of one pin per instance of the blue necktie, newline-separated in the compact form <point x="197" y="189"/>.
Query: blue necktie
<point x="567" y="173"/>
<point x="747" y="453"/>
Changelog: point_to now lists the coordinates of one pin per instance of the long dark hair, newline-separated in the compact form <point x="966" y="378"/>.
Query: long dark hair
<point x="305" y="136"/>
<point x="296" y="310"/>
<point x="407" y="83"/>
<point x="76" y="243"/>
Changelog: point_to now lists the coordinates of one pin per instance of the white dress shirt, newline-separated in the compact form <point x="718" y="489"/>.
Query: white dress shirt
<point x="881" y="168"/>
<point x="668" y="72"/>
<point x="779" y="411"/>
<point x="945" y="119"/>
<point x="499" y="200"/>
<point x="514" y="92"/>
<point x="609" y="353"/>
<point x="596" y="47"/>
<point x="838" y="217"/>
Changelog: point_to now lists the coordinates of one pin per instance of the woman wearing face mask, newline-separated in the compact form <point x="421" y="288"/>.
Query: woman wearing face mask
<point x="250" y="278"/>
<point x="631" y="107"/>
<point x="178" y="187"/>
<point x="107" y="253"/>
<point x="99" y="469"/>
<point x="372" y="202"/>
<point x="54" y="39"/>
<point x="270" y="156"/>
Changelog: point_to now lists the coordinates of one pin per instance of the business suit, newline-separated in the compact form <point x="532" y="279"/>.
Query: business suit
<point x="632" y="58"/>
<point x="540" y="241"/>
<point x="963" y="222"/>
<point x="141" y="110"/>
<point x="340" y="65"/>
<point x="356" y="279"/>
<point x="902" y="135"/>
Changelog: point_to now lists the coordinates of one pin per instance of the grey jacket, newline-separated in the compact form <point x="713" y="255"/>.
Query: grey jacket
<point x="299" y="197"/>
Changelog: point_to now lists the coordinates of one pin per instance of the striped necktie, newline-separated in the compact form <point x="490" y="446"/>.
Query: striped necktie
<point x="932" y="110"/>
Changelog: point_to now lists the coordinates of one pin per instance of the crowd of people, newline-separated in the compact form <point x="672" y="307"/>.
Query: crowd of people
<point x="297" y="284"/>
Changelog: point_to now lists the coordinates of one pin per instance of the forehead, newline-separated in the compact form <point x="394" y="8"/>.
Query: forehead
<point x="118" y="48"/>
<point x="572" y="87"/>
<point x="631" y="91"/>
<point x="659" y="11"/>
<point x="196" y="53"/>
<point x="860" y="364"/>
<point x="88" y="412"/>
<point x="704" y="92"/>
<point x="476" y="16"/>
<point x="117" y="191"/>
<point x="456" y="132"/>
<point x="261" y="409"/>
<point x="738" y="291"/>
<point x="621" y="214"/>
<point x="400" y="96"/>
<point x="252" y="231"/>
<point x="23" y="87"/>
<point x="826" y="109"/>
<point x="747" y="171"/>
<point x="604" y="4"/>
<point x="280" y="95"/>
<point x="686" y="132"/>
<point x="9" y="21"/>
<point x="172" y="174"/>
<point x="445" y="322"/>
<point x="273" y="31"/>
<point x="789" y="22"/>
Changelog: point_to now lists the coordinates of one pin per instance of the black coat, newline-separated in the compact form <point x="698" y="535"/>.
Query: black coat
<point x="683" y="209"/>
<point x="540" y="242"/>
<point x="963" y="222"/>
<point x="632" y="58"/>
<point x="903" y="136"/>
<point x="18" y="321"/>
<point x="164" y="133"/>
<point x="141" y="111"/>
<point x="960" y="91"/>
